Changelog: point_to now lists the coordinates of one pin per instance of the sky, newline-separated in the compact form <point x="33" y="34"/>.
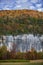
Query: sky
<point x="21" y="4"/>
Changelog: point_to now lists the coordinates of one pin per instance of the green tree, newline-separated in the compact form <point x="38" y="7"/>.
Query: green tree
<point x="3" y="52"/>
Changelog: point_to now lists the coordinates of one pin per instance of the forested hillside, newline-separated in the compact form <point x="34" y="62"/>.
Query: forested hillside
<point x="21" y="22"/>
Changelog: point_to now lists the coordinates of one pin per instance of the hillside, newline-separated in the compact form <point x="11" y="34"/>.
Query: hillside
<point x="21" y="21"/>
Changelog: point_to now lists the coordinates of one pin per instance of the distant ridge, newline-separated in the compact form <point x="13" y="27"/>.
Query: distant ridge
<point x="21" y="21"/>
<point x="14" y="13"/>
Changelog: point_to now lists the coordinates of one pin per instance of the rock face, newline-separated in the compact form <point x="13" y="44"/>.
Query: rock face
<point x="23" y="43"/>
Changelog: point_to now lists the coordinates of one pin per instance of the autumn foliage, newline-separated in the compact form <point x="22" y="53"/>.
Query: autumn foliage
<point x="30" y="55"/>
<point x="21" y="22"/>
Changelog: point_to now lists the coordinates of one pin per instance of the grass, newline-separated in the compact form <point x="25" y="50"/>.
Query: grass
<point x="13" y="61"/>
<point x="20" y="62"/>
<point x="36" y="63"/>
<point x="26" y="63"/>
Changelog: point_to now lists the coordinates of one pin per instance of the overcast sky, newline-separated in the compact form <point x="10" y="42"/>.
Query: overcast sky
<point x="21" y="4"/>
